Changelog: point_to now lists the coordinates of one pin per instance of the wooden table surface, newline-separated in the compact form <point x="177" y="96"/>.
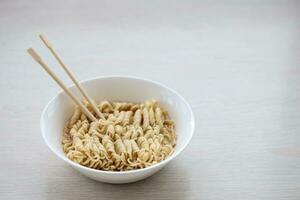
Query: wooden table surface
<point x="236" y="63"/>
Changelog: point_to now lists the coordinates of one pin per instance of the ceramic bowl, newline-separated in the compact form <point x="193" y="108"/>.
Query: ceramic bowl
<point x="118" y="88"/>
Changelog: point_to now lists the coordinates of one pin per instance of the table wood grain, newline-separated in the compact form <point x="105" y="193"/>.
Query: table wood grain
<point x="236" y="63"/>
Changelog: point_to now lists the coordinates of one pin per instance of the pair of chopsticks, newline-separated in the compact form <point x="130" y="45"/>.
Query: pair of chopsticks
<point x="84" y="94"/>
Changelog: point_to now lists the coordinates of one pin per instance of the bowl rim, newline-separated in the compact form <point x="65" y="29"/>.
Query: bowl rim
<point x="72" y="163"/>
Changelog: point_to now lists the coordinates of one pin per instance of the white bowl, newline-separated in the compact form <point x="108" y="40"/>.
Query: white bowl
<point x="58" y="111"/>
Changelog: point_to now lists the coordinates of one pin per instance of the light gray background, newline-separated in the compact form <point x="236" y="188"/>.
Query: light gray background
<point x="236" y="63"/>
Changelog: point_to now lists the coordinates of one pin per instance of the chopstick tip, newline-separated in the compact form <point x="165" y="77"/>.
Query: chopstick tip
<point x="40" y="35"/>
<point x="34" y="55"/>
<point x="30" y="50"/>
<point x="44" y="39"/>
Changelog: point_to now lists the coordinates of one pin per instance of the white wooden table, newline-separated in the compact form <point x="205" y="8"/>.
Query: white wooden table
<point x="238" y="64"/>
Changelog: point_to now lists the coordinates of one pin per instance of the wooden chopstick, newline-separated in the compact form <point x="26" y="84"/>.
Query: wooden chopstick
<point x="72" y="77"/>
<point x="39" y="60"/>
